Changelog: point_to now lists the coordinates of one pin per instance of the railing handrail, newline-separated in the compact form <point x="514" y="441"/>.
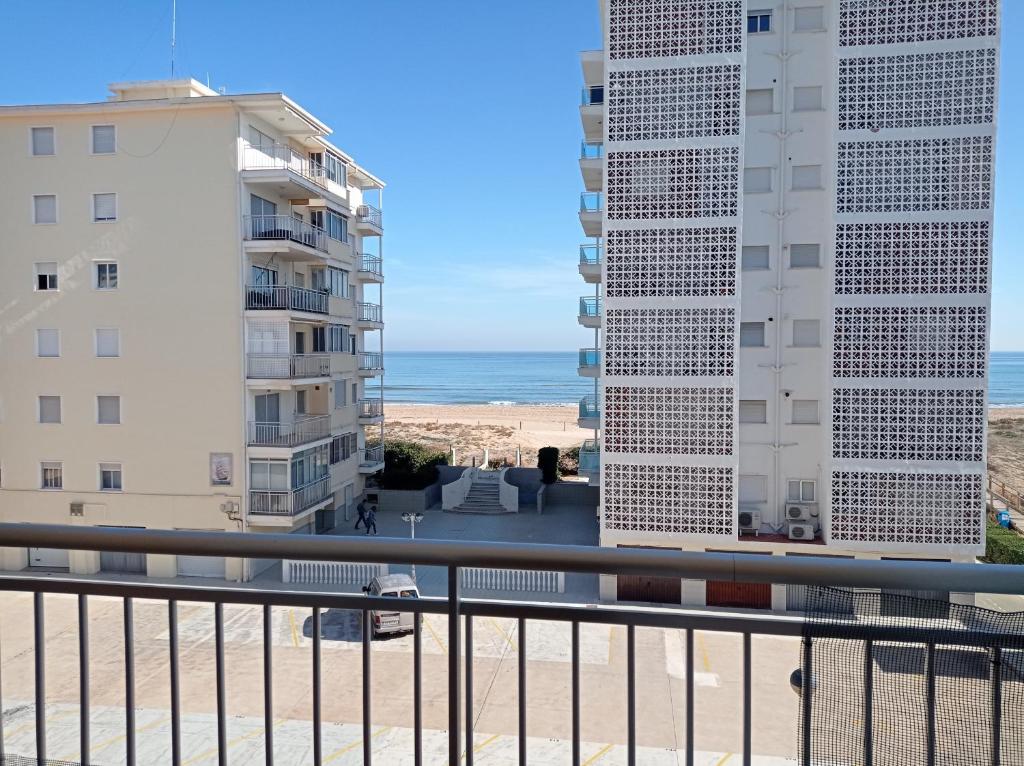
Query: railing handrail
<point x="284" y="297"/>
<point x="596" y="249"/>
<point x="733" y="567"/>
<point x="373" y="454"/>
<point x="283" y="226"/>
<point x="590" y="305"/>
<point x="591" y="202"/>
<point x="588" y="406"/>
<point x="291" y="421"/>
<point x="586" y="354"/>
<point x="371" y="356"/>
<point x="587" y="95"/>
<point x="591" y="150"/>
<point x="287" y="158"/>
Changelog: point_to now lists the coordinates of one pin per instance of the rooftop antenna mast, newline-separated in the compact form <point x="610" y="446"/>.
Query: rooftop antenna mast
<point x="174" y="28"/>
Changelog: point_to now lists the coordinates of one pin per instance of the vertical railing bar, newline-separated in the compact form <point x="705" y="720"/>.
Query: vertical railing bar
<point x="222" y="702"/>
<point x="997" y="705"/>
<point x="417" y="690"/>
<point x="631" y="695"/>
<point x="747" y="712"/>
<point x="129" y="682"/>
<point x="930" y="702"/>
<point x="172" y="658"/>
<point x="2" y="735"/>
<point x="689" y="697"/>
<point x="454" y="661"/>
<point x="522" y="691"/>
<point x="268" y="685"/>
<point x="367" y="689"/>
<point x="318" y="743"/>
<point x="83" y="679"/>
<point x="869" y="703"/>
<point x="576" y="754"/>
<point x="469" y="689"/>
<point x="40" y="675"/>
<point x="806" y="693"/>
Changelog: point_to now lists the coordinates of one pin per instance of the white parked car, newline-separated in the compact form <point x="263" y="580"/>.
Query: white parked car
<point x="395" y="586"/>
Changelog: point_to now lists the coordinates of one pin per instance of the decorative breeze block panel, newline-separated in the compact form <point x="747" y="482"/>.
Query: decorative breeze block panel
<point x="908" y="424"/>
<point x="680" y="342"/>
<point x="885" y="22"/>
<point x="673" y="183"/>
<point x="908" y="508"/>
<point x="938" y="174"/>
<point x="693" y="500"/>
<point x="917" y="91"/>
<point x="668" y="421"/>
<point x="670" y="263"/>
<point x="655" y="28"/>
<point x="912" y="258"/>
<point x="903" y="342"/>
<point x="664" y="104"/>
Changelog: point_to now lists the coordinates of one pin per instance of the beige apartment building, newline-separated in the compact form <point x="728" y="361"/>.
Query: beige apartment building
<point x="190" y="321"/>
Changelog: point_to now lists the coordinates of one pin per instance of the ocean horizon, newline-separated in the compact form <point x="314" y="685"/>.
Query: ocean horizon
<point x="549" y="377"/>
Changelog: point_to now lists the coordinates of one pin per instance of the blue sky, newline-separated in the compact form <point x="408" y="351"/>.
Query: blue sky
<point x="467" y="108"/>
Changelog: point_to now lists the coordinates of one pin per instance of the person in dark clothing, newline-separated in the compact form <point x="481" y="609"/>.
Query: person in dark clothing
<point x="371" y="520"/>
<point x="361" y="510"/>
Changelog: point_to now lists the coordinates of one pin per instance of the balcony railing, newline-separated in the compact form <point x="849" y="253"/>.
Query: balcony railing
<point x="370" y="215"/>
<point x="288" y="365"/>
<point x="590" y="456"/>
<point x="289" y="434"/>
<point x="289" y="502"/>
<point x="590" y="306"/>
<point x="590" y="357"/>
<point x="371" y="408"/>
<point x="591" y="151"/>
<point x="592" y="95"/>
<point x="370" y="312"/>
<point x="923" y="661"/>
<point x="371" y="264"/>
<point x="282" y="157"/>
<point x="373" y="455"/>
<point x="285" y="297"/>
<point x="277" y="227"/>
<point x="588" y="407"/>
<point x="591" y="202"/>
<point x="371" y="360"/>
<point x="591" y="254"/>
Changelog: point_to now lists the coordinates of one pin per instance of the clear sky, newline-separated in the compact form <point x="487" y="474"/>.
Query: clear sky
<point x="466" y="108"/>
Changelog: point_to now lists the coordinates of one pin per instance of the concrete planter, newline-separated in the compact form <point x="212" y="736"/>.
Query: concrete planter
<point x="408" y="500"/>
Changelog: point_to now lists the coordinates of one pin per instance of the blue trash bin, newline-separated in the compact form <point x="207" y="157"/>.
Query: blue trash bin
<point x="1003" y="517"/>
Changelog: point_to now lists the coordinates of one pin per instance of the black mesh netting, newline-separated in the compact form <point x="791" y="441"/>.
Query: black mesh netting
<point x="23" y="760"/>
<point x="839" y="621"/>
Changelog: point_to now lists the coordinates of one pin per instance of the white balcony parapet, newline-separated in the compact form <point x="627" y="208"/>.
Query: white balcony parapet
<point x="590" y="362"/>
<point x="330" y="572"/>
<point x="370" y="217"/>
<point x="279" y="366"/>
<point x="513" y="580"/>
<point x="285" y="298"/>
<point x="371" y="360"/>
<point x="370" y="409"/>
<point x="289" y="502"/>
<point x="590" y="457"/>
<point x="282" y="157"/>
<point x="284" y="227"/>
<point x="289" y="434"/>
<point x="371" y="265"/>
<point x="370" y="312"/>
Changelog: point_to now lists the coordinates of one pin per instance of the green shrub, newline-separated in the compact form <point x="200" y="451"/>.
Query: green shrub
<point x="547" y="462"/>
<point x="569" y="462"/>
<point x="410" y="465"/>
<point x="497" y="463"/>
<point x="1003" y="546"/>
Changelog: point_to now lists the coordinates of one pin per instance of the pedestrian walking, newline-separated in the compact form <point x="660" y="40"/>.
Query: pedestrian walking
<point x="361" y="510"/>
<point x="371" y="520"/>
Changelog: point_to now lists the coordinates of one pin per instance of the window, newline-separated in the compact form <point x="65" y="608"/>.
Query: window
<point x="759" y="21"/>
<point x="262" y="207"/>
<point x="108" y="410"/>
<point x="260" y="140"/>
<point x="51" y="475"/>
<point x="753" y="411"/>
<point x="110" y="477"/>
<point x="42" y="142"/>
<point x="804" y="256"/>
<point x="108" y="342"/>
<point x="335" y="168"/>
<point x="801" y="491"/>
<point x="44" y="208"/>
<point x="753" y="489"/>
<point x="300" y="402"/>
<point x="104" y="139"/>
<point x="336" y="450"/>
<point x="319" y="340"/>
<point x="340" y="391"/>
<point x="268" y="474"/>
<point x="106" y="275"/>
<point x="46" y="275"/>
<point x="47" y="342"/>
<point x="104" y="207"/>
<point x="809" y="19"/>
<point x="806" y="333"/>
<point x="807" y="99"/>
<point x="338" y="283"/>
<point x="355" y="393"/>
<point x="806" y="177"/>
<point x="757" y="180"/>
<point x="49" y="409"/>
<point x="760" y="102"/>
<point x="349" y="446"/>
<point x="752" y="334"/>
<point x="338" y="339"/>
<point x="805" y="411"/>
<point x="337" y="226"/>
<point x="754" y="258"/>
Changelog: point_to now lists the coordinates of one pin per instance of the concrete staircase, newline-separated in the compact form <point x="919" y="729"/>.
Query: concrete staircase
<point x="483" y="495"/>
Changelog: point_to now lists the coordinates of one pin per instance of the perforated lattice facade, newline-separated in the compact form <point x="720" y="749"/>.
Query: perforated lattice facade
<point x="697" y="262"/>
<point x="884" y="22"/>
<point x="908" y="424"/>
<point x="912" y="258"/>
<point x="681" y="342"/>
<point x="917" y="91"/>
<point x="910" y="508"/>
<point x="673" y="183"/>
<point x="694" y="500"/>
<point x="668" y="421"/>
<point x="938" y="174"/>
<point x="910" y="342"/>
<point x="654" y="28"/>
<point x="664" y="104"/>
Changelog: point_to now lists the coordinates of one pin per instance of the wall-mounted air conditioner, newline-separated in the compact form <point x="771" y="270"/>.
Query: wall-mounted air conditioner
<point x="362" y="211"/>
<point x="801" y="511"/>
<point x="750" y="520"/>
<point x="801" y="531"/>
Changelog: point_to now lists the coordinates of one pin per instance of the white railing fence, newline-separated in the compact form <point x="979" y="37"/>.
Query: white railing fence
<point x="516" y="580"/>
<point x="330" y="572"/>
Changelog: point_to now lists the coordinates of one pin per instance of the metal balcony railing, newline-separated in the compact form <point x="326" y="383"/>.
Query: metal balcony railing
<point x="592" y="95"/>
<point x="371" y="264"/>
<point x="590" y="150"/>
<point x="591" y="202"/>
<point x="588" y="407"/>
<point x="590" y="456"/>
<point x="369" y="312"/>
<point x="371" y="408"/>
<point x="370" y="215"/>
<point x="288" y="365"/>
<point x="288" y="502"/>
<point x="285" y="298"/>
<point x="591" y="254"/>
<point x="590" y="357"/>
<point x="985" y="652"/>
<point x="289" y="434"/>
<point x="282" y="157"/>
<point x="373" y="455"/>
<point x="285" y="227"/>
<point x="590" y="306"/>
<point x="371" y="360"/>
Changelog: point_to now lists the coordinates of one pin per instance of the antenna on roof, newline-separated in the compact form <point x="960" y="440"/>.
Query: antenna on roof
<point x="174" y="28"/>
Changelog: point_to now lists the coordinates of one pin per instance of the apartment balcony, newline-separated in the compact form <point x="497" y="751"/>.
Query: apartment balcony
<point x="371" y="460"/>
<point x="294" y="367"/>
<point x="297" y="300"/>
<point x="371" y="411"/>
<point x="590" y="459"/>
<point x="273" y="507"/>
<point x="591" y="258"/>
<point x="290" y="434"/>
<point x="370" y="364"/>
<point x="591" y="213"/>
<point x="592" y="113"/>
<point x="369" y="316"/>
<point x="590" y="363"/>
<point x="371" y="269"/>
<point x="590" y="311"/>
<point x="287" y="237"/>
<point x="289" y="172"/>
<point x="592" y="165"/>
<point x="592" y="63"/>
<point x="590" y="414"/>
<point x="369" y="221"/>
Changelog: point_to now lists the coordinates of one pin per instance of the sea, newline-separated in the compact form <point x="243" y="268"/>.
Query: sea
<point x="513" y="377"/>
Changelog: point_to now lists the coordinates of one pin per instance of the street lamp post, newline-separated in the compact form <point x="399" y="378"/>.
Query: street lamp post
<point x="413" y="519"/>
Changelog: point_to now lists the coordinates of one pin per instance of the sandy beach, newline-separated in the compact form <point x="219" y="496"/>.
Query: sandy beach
<point x="1006" y="445"/>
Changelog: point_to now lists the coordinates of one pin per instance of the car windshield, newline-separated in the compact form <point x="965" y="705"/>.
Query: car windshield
<point x="390" y="593"/>
<point x="409" y="594"/>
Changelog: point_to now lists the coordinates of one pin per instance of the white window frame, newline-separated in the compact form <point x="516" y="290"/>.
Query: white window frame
<point x="60" y="408"/>
<point x="820" y="184"/>
<point x="759" y="12"/>
<point x="93" y="210"/>
<point x="92" y="139"/>
<point x="96" y="274"/>
<point x="822" y="28"/>
<point x="764" y="336"/>
<point x="96" y="343"/>
<point x="739" y="411"/>
<point x="762" y="481"/>
<point x="805" y="323"/>
<point x="56" y="210"/>
<point x="60" y="349"/>
<point x="821" y="98"/>
<point x="31" y="141"/>
<point x="100" y="467"/>
<point x="804" y="244"/>
<point x="53" y="465"/>
<point x="817" y="413"/>
<point x="801" y="486"/>
<point x="760" y="92"/>
<point x="759" y="248"/>
<point x="120" y="409"/>
<point x="36" y="273"/>
<point x="771" y="181"/>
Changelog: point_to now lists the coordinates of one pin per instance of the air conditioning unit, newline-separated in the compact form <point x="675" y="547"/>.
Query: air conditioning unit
<point x="801" y="531"/>
<point x="362" y="211"/>
<point x="801" y="511"/>
<point x="750" y="520"/>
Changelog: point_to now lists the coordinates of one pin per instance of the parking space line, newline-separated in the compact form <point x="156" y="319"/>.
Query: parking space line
<point x="32" y="724"/>
<point x="295" y="630"/>
<point x="481" y="746"/>
<point x="353" y="745"/>
<point x="598" y="755"/>
<point x="703" y="651"/>
<point x="433" y="633"/>
<point x="93" y="749"/>
<point x="724" y="758"/>
<point x="501" y="633"/>
<point x="258" y="732"/>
